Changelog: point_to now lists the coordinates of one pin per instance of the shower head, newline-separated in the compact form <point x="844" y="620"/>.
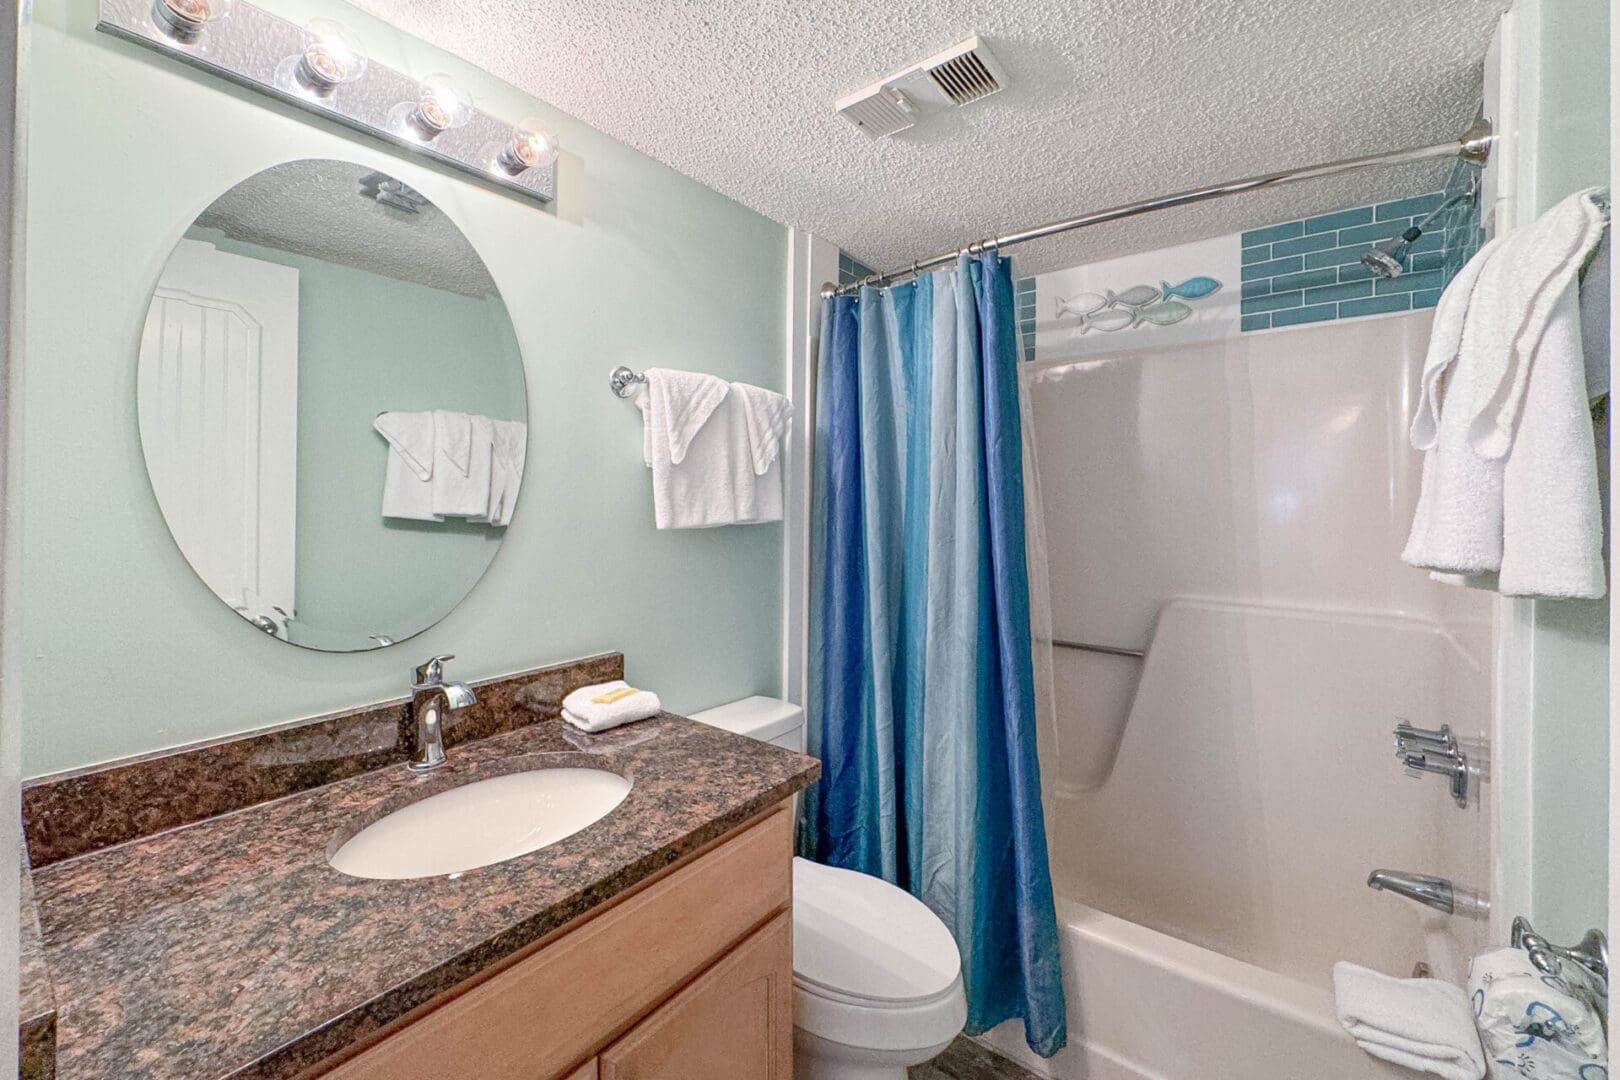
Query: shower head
<point x="1387" y="258"/>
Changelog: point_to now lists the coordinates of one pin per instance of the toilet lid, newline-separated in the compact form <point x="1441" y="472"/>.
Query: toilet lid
<point x="859" y="936"/>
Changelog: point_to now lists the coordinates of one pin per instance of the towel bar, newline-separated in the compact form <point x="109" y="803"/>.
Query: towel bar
<point x="621" y="379"/>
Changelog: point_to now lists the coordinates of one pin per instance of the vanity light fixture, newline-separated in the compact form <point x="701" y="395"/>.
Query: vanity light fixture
<point x="439" y="106"/>
<point x="531" y="144"/>
<point x="184" y="21"/>
<point x="331" y="56"/>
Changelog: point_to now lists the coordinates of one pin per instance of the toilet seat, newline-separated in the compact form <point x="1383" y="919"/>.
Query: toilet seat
<point x="873" y="967"/>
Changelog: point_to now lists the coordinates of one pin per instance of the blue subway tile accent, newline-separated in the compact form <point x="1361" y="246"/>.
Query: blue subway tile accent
<point x="1256" y="322"/>
<point x="1304" y="244"/>
<point x="1354" y="272"/>
<point x="1372" y="234"/>
<point x="1375" y="305"/>
<point x="1344" y="219"/>
<point x="1256" y="254"/>
<point x="1307" y="280"/>
<point x="1429" y="279"/>
<point x="1272" y="233"/>
<point x="1430" y="241"/>
<point x="1273" y="268"/>
<point x="1426" y="298"/>
<point x="1319" y="313"/>
<point x="1335" y="257"/>
<point x="1256" y="288"/>
<point x="1271" y="303"/>
<point x="1416" y="206"/>
<point x="1352" y="290"/>
<point x="1429" y="260"/>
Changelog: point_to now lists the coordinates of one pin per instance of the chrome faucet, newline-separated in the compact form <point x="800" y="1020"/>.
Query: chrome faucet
<point x="431" y="698"/>
<point x="1436" y="892"/>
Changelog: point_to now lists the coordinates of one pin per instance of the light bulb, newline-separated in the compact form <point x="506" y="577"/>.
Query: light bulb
<point x="531" y="145"/>
<point x="440" y="106"/>
<point x="185" y="20"/>
<point x="332" y="55"/>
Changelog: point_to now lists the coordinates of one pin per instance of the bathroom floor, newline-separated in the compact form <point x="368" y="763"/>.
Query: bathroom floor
<point x="967" y="1060"/>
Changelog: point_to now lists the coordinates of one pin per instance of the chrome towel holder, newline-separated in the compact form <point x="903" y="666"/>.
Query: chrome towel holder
<point x="622" y="378"/>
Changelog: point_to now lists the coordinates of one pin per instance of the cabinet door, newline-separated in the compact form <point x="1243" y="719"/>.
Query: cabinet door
<point x="734" y="1022"/>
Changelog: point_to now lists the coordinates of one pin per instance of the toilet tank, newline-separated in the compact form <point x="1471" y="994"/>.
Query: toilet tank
<point x="768" y="719"/>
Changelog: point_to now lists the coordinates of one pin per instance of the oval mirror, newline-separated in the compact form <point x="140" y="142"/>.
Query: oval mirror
<point x="331" y="405"/>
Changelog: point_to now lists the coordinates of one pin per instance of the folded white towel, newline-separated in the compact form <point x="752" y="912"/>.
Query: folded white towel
<point x="1423" y="1024"/>
<point x="407" y="480"/>
<point x="678" y="404"/>
<point x="506" y="469"/>
<point x="1512" y="308"/>
<point x="461" y="461"/>
<point x="1445" y="339"/>
<point x="601" y="706"/>
<point x="767" y="416"/>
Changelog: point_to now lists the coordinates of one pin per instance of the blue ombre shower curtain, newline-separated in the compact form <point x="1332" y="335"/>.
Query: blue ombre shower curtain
<point x="922" y="698"/>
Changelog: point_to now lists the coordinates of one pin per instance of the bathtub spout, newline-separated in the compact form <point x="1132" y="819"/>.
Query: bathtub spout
<point x="1436" y="892"/>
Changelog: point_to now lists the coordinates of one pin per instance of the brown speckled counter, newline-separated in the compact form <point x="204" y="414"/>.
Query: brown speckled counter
<point x="36" y="1000"/>
<point x="229" y="947"/>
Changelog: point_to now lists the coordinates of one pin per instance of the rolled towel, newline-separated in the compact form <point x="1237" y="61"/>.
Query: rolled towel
<point x="1423" y="1024"/>
<point x="1532" y="1023"/>
<point x="601" y="706"/>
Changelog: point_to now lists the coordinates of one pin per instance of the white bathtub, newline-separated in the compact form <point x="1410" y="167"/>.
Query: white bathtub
<point x="1147" y="1006"/>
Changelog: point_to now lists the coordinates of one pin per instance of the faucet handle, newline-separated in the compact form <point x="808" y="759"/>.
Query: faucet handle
<point x="433" y="670"/>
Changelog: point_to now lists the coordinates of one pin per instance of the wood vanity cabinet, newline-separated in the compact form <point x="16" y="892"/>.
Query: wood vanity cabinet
<point x="688" y="976"/>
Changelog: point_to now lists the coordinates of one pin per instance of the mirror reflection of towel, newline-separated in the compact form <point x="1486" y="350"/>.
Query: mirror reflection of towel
<point x="408" y="480"/>
<point x="461" y="459"/>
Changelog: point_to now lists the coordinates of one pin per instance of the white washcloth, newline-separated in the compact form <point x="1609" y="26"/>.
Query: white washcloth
<point x="1534" y="1024"/>
<point x="1512" y="309"/>
<point x="767" y="416"/>
<point x="461" y="460"/>
<point x="1423" y="1024"/>
<point x="601" y="706"/>
<point x="506" y="469"/>
<point x="408" y="479"/>
<point x="677" y="405"/>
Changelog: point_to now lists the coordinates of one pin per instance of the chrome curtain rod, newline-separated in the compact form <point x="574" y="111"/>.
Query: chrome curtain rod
<point x="1474" y="145"/>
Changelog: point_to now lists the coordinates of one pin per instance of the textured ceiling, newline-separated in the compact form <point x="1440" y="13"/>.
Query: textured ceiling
<point x="1109" y="101"/>
<point x="314" y="207"/>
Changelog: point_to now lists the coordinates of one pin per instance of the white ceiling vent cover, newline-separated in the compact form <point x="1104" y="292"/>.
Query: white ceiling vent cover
<point x="964" y="73"/>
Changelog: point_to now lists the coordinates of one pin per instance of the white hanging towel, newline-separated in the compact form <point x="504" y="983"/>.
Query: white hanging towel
<point x="511" y="439"/>
<point x="462" y="448"/>
<point x="685" y="450"/>
<point x="408" y="479"/>
<point x="766" y="418"/>
<point x="1423" y="1024"/>
<point x="1510" y="471"/>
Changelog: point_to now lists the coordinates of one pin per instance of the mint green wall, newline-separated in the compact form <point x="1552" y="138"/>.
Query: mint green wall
<point x="127" y="651"/>
<point x="1570" y="769"/>
<point x="368" y="343"/>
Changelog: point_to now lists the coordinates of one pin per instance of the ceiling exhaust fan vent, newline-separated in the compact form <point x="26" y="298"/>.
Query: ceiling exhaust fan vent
<point x="965" y="78"/>
<point x="962" y="74"/>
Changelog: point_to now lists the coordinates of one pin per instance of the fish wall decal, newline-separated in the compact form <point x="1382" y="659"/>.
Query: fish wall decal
<point x="1167" y="313"/>
<point x="1135" y="296"/>
<point x="1194" y="288"/>
<point x="1082" y="305"/>
<point x="1108" y="319"/>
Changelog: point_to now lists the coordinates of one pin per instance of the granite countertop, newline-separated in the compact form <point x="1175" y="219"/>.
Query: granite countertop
<point x="36" y="999"/>
<point x="229" y="947"/>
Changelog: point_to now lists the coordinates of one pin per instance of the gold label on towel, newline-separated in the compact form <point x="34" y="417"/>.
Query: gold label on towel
<point x="614" y="695"/>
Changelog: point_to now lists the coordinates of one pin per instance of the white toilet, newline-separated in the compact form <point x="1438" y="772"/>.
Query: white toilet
<point x="877" y="979"/>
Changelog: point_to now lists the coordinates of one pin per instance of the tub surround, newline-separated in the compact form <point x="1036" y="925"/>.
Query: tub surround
<point x="229" y="947"/>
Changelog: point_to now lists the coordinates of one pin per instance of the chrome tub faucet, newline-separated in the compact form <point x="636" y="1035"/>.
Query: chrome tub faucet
<point x="431" y="698"/>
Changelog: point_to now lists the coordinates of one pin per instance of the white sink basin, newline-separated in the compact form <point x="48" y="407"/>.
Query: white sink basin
<point x="482" y="823"/>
